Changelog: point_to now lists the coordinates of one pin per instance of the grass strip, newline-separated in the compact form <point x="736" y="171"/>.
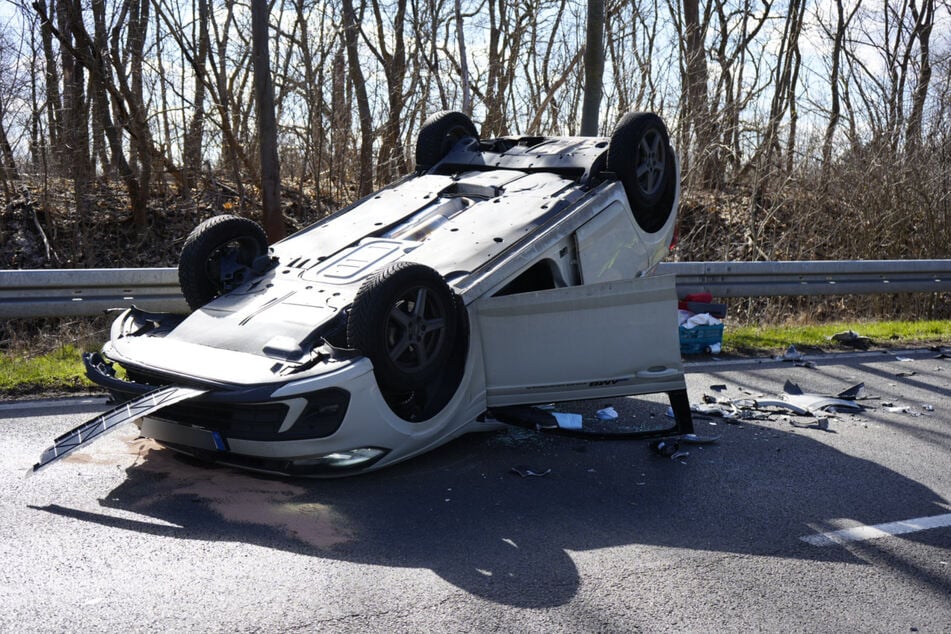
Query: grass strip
<point x="61" y="370"/>
<point x="882" y="334"/>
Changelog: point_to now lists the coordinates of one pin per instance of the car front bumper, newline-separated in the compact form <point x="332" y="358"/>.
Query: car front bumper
<point x="328" y="425"/>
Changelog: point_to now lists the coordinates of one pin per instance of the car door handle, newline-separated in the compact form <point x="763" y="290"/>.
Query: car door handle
<point x="657" y="372"/>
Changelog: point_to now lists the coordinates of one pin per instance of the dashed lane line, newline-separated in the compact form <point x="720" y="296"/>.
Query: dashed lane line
<point x="862" y="533"/>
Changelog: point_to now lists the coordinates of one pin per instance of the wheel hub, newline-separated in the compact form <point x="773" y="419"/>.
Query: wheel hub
<point x="416" y="330"/>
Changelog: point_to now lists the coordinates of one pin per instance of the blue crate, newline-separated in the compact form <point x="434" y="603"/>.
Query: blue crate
<point x="696" y="340"/>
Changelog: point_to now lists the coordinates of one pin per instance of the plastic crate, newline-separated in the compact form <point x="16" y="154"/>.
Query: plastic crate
<point x="696" y="340"/>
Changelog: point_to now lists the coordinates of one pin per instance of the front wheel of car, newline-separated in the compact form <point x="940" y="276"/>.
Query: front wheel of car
<point x="405" y="320"/>
<point x="640" y="155"/>
<point x="439" y="134"/>
<point x="218" y="256"/>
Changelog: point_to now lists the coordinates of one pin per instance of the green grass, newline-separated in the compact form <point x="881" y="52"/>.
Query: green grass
<point x="890" y="334"/>
<point x="61" y="370"/>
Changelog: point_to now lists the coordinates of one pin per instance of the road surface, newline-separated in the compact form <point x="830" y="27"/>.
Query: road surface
<point x="780" y="526"/>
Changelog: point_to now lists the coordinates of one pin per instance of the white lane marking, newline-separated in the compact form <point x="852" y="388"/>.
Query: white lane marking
<point x="862" y="533"/>
<point x="65" y="404"/>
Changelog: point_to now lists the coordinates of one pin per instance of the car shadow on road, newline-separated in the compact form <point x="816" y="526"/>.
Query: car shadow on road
<point x="463" y="513"/>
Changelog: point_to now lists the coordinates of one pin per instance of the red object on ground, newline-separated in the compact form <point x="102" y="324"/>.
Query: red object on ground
<point x="704" y="298"/>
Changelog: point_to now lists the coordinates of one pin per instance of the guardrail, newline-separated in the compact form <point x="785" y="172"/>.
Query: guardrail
<point x="73" y="292"/>
<point x="824" y="277"/>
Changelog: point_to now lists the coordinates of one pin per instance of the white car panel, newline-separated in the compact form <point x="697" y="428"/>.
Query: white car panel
<point x="581" y="342"/>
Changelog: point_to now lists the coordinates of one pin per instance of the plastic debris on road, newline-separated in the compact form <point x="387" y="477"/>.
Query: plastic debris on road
<point x="852" y="339"/>
<point x="791" y="354"/>
<point x="820" y="408"/>
<point x="665" y="447"/>
<point x="568" y="421"/>
<point x="607" y="413"/>
<point x="529" y="472"/>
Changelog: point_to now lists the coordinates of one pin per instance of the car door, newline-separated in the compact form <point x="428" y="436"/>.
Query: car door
<point x="581" y="342"/>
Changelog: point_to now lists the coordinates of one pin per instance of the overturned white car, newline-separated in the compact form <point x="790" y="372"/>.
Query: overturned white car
<point x="502" y="272"/>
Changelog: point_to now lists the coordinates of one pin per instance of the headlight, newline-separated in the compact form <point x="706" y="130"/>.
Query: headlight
<point x="338" y="461"/>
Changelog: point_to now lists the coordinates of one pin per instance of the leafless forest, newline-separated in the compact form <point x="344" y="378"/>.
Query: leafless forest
<point x="806" y="129"/>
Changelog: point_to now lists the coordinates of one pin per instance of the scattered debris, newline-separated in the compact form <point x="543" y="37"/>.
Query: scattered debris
<point x="791" y="354"/>
<point x="777" y="404"/>
<point x="665" y="447"/>
<point x="794" y="402"/>
<point x="697" y="439"/>
<point x="943" y="352"/>
<point x="856" y="392"/>
<point x="904" y="359"/>
<point x="568" y="421"/>
<point x="527" y="472"/>
<point x="820" y="423"/>
<point x="852" y="339"/>
<point x="607" y="413"/>
<point x="815" y="403"/>
<point x="927" y="407"/>
<point x="903" y="409"/>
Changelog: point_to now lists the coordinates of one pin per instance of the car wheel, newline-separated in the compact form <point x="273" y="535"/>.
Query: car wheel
<point x="404" y="319"/>
<point x="218" y="256"/>
<point x="439" y="134"/>
<point x="641" y="156"/>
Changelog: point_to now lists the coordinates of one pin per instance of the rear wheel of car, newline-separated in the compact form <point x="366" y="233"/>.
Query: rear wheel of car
<point x="439" y="134"/>
<point x="641" y="156"/>
<point x="218" y="256"/>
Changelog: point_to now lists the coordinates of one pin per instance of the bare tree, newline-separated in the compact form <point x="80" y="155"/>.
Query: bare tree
<point x="507" y="27"/>
<point x="923" y="23"/>
<point x="593" y="68"/>
<point x="267" y="122"/>
<point x="350" y="31"/>
<point x="193" y="139"/>
<point x="466" y="105"/>
<point x="837" y="35"/>
<point x="697" y="127"/>
<point x="391" y="160"/>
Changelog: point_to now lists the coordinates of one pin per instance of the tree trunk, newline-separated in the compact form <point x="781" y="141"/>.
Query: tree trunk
<point x="192" y="143"/>
<point x="924" y="22"/>
<point x="76" y="117"/>
<point x="392" y="162"/>
<point x="8" y="164"/>
<point x="339" y="127"/>
<point x="593" y="68"/>
<point x="351" y="30"/>
<point x="54" y="101"/>
<point x="706" y="167"/>
<point x="267" y="123"/>
<point x="835" y="108"/>
<point x="466" y="105"/>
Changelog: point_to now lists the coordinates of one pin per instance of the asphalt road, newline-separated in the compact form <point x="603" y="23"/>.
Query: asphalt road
<point x="126" y="536"/>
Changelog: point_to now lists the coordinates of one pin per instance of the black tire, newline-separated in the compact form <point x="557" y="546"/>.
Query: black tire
<point x="439" y="134"/>
<point x="405" y="320"/>
<point x="641" y="156"/>
<point x="218" y="256"/>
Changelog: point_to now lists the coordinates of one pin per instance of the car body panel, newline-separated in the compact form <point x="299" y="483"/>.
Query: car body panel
<point x="580" y="342"/>
<point x="556" y="301"/>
